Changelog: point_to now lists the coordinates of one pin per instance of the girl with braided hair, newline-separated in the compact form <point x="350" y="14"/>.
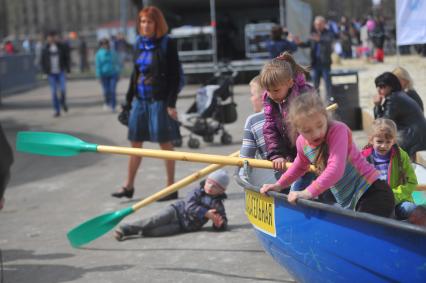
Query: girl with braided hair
<point x="283" y="79"/>
<point x="342" y="169"/>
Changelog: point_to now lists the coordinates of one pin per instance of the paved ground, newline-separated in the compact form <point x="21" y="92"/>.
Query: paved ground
<point x="48" y="196"/>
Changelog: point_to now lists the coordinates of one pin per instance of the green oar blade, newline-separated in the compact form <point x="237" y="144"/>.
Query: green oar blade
<point x="52" y="144"/>
<point x="96" y="227"/>
<point x="419" y="197"/>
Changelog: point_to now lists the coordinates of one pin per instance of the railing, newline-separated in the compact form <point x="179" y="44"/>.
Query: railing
<point x="17" y="73"/>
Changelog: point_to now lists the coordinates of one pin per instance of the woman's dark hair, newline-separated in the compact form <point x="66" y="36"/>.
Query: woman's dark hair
<point x="103" y="42"/>
<point x="276" y="33"/>
<point x="388" y="79"/>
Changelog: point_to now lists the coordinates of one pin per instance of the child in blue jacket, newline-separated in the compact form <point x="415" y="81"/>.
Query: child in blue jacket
<point x="202" y="204"/>
<point x="108" y="71"/>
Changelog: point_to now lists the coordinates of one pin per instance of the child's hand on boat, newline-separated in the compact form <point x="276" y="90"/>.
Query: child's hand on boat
<point x="294" y="195"/>
<point x="279" y="163"/>
<point x="270" y="187"/>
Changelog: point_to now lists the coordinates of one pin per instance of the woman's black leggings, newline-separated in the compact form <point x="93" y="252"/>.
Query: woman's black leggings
<point x="377" y="200"/>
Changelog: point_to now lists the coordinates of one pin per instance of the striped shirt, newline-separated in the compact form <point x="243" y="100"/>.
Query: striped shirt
<point x="381" y="162"/>
<point x="253" y="142"/>
<point x="347" y="173"/>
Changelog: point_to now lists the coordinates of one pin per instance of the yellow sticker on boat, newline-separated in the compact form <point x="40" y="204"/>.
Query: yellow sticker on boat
<point x="260" y="211"/>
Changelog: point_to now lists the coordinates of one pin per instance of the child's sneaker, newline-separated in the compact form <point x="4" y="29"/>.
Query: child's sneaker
<point x="418" y="216"/>
<point x="118" y="235"/>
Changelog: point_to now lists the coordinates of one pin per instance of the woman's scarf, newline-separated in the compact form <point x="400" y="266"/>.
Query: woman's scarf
<point x="145" y="47"/>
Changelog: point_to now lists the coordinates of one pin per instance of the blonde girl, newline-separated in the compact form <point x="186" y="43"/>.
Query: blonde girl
<point x="407" y="85"/>
<point x="283" y="79"/>
<point x="393" y="163"/>
<point x="328" y="145"/>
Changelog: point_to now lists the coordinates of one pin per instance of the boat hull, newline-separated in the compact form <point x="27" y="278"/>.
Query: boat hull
<point x="316" y="242"/>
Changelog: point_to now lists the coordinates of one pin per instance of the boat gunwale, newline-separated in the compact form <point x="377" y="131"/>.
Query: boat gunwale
<point x="393" y="223"/>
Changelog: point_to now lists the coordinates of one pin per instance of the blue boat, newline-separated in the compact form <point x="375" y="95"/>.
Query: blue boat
<point x="317" y="242"/>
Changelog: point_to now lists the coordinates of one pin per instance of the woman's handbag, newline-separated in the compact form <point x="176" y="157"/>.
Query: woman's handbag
<point x="123" y="116"/>
<point x="226" y="113"/>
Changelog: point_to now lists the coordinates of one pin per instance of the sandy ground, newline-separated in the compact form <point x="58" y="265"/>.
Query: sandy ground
<point x="414" y="64"/>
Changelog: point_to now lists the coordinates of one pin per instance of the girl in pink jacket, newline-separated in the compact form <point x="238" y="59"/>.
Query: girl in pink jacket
<point x="328" y="145"/>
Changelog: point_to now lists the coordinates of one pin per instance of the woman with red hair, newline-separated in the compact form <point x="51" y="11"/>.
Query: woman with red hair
<point x="152" y="94"/>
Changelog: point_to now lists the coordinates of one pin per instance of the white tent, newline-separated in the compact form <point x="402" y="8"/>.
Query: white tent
<point x="410" y="22"/>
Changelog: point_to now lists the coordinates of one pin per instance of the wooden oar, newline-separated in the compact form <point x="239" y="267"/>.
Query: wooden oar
<point x="332" y="107"/>
<point x="94" y="228"/>
<point x="57" y="144"/>
<point x="421" y="187"/>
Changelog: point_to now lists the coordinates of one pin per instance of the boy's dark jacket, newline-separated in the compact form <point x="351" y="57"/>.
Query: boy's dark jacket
<point x="191" y="211"/>
<point x="64" y="58"/>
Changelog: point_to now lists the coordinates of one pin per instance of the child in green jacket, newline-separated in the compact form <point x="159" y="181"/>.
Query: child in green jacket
<point x="394" y="165"/>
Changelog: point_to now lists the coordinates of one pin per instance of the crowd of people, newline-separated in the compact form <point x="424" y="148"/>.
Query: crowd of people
<point x="355" y="38"/>
<point x="290" y="124"/>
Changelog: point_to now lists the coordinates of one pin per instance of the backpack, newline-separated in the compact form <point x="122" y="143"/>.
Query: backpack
<point x="163" y="48"/>
<point x="107" y="64"/>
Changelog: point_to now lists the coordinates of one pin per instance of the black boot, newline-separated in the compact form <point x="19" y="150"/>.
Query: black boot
<point x="169" y="197"/>
<point x="124" y="192"/>
<point x="63" y="102"/>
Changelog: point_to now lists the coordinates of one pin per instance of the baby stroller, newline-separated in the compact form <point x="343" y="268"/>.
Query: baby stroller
<point x="213" y="107"/>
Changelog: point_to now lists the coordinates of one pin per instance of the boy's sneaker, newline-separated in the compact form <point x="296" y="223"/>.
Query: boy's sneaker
<point x="64" y="107"/>
<point x="118" y="235"/>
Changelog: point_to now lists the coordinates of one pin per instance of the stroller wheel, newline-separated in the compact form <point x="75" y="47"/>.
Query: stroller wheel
<point x="193" y="143"/>
<point x="226" y="138"/>
<point x="208" y="138"/>
<point x="177" y="143"/>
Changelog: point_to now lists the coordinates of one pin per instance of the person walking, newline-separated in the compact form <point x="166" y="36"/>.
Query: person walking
<point x="152" y="94"/>
<point x="55" y="61"/>
<point x="108" y="71"/>
<point x="321" y="44"/>
<point x="6" y="161"/>
<point x="378" y="37"/>
<point x="279" y="42"/>
<point x="83" y="53"/>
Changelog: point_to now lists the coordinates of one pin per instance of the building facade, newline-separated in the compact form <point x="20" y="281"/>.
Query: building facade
<point x="21" y="18"/>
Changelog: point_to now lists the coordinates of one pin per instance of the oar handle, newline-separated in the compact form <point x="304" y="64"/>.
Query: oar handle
<point x="332" y="107"/>
<point x="190" y="156"/>
<point x="421" y="187"/>
<point x="180" y="184"/>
